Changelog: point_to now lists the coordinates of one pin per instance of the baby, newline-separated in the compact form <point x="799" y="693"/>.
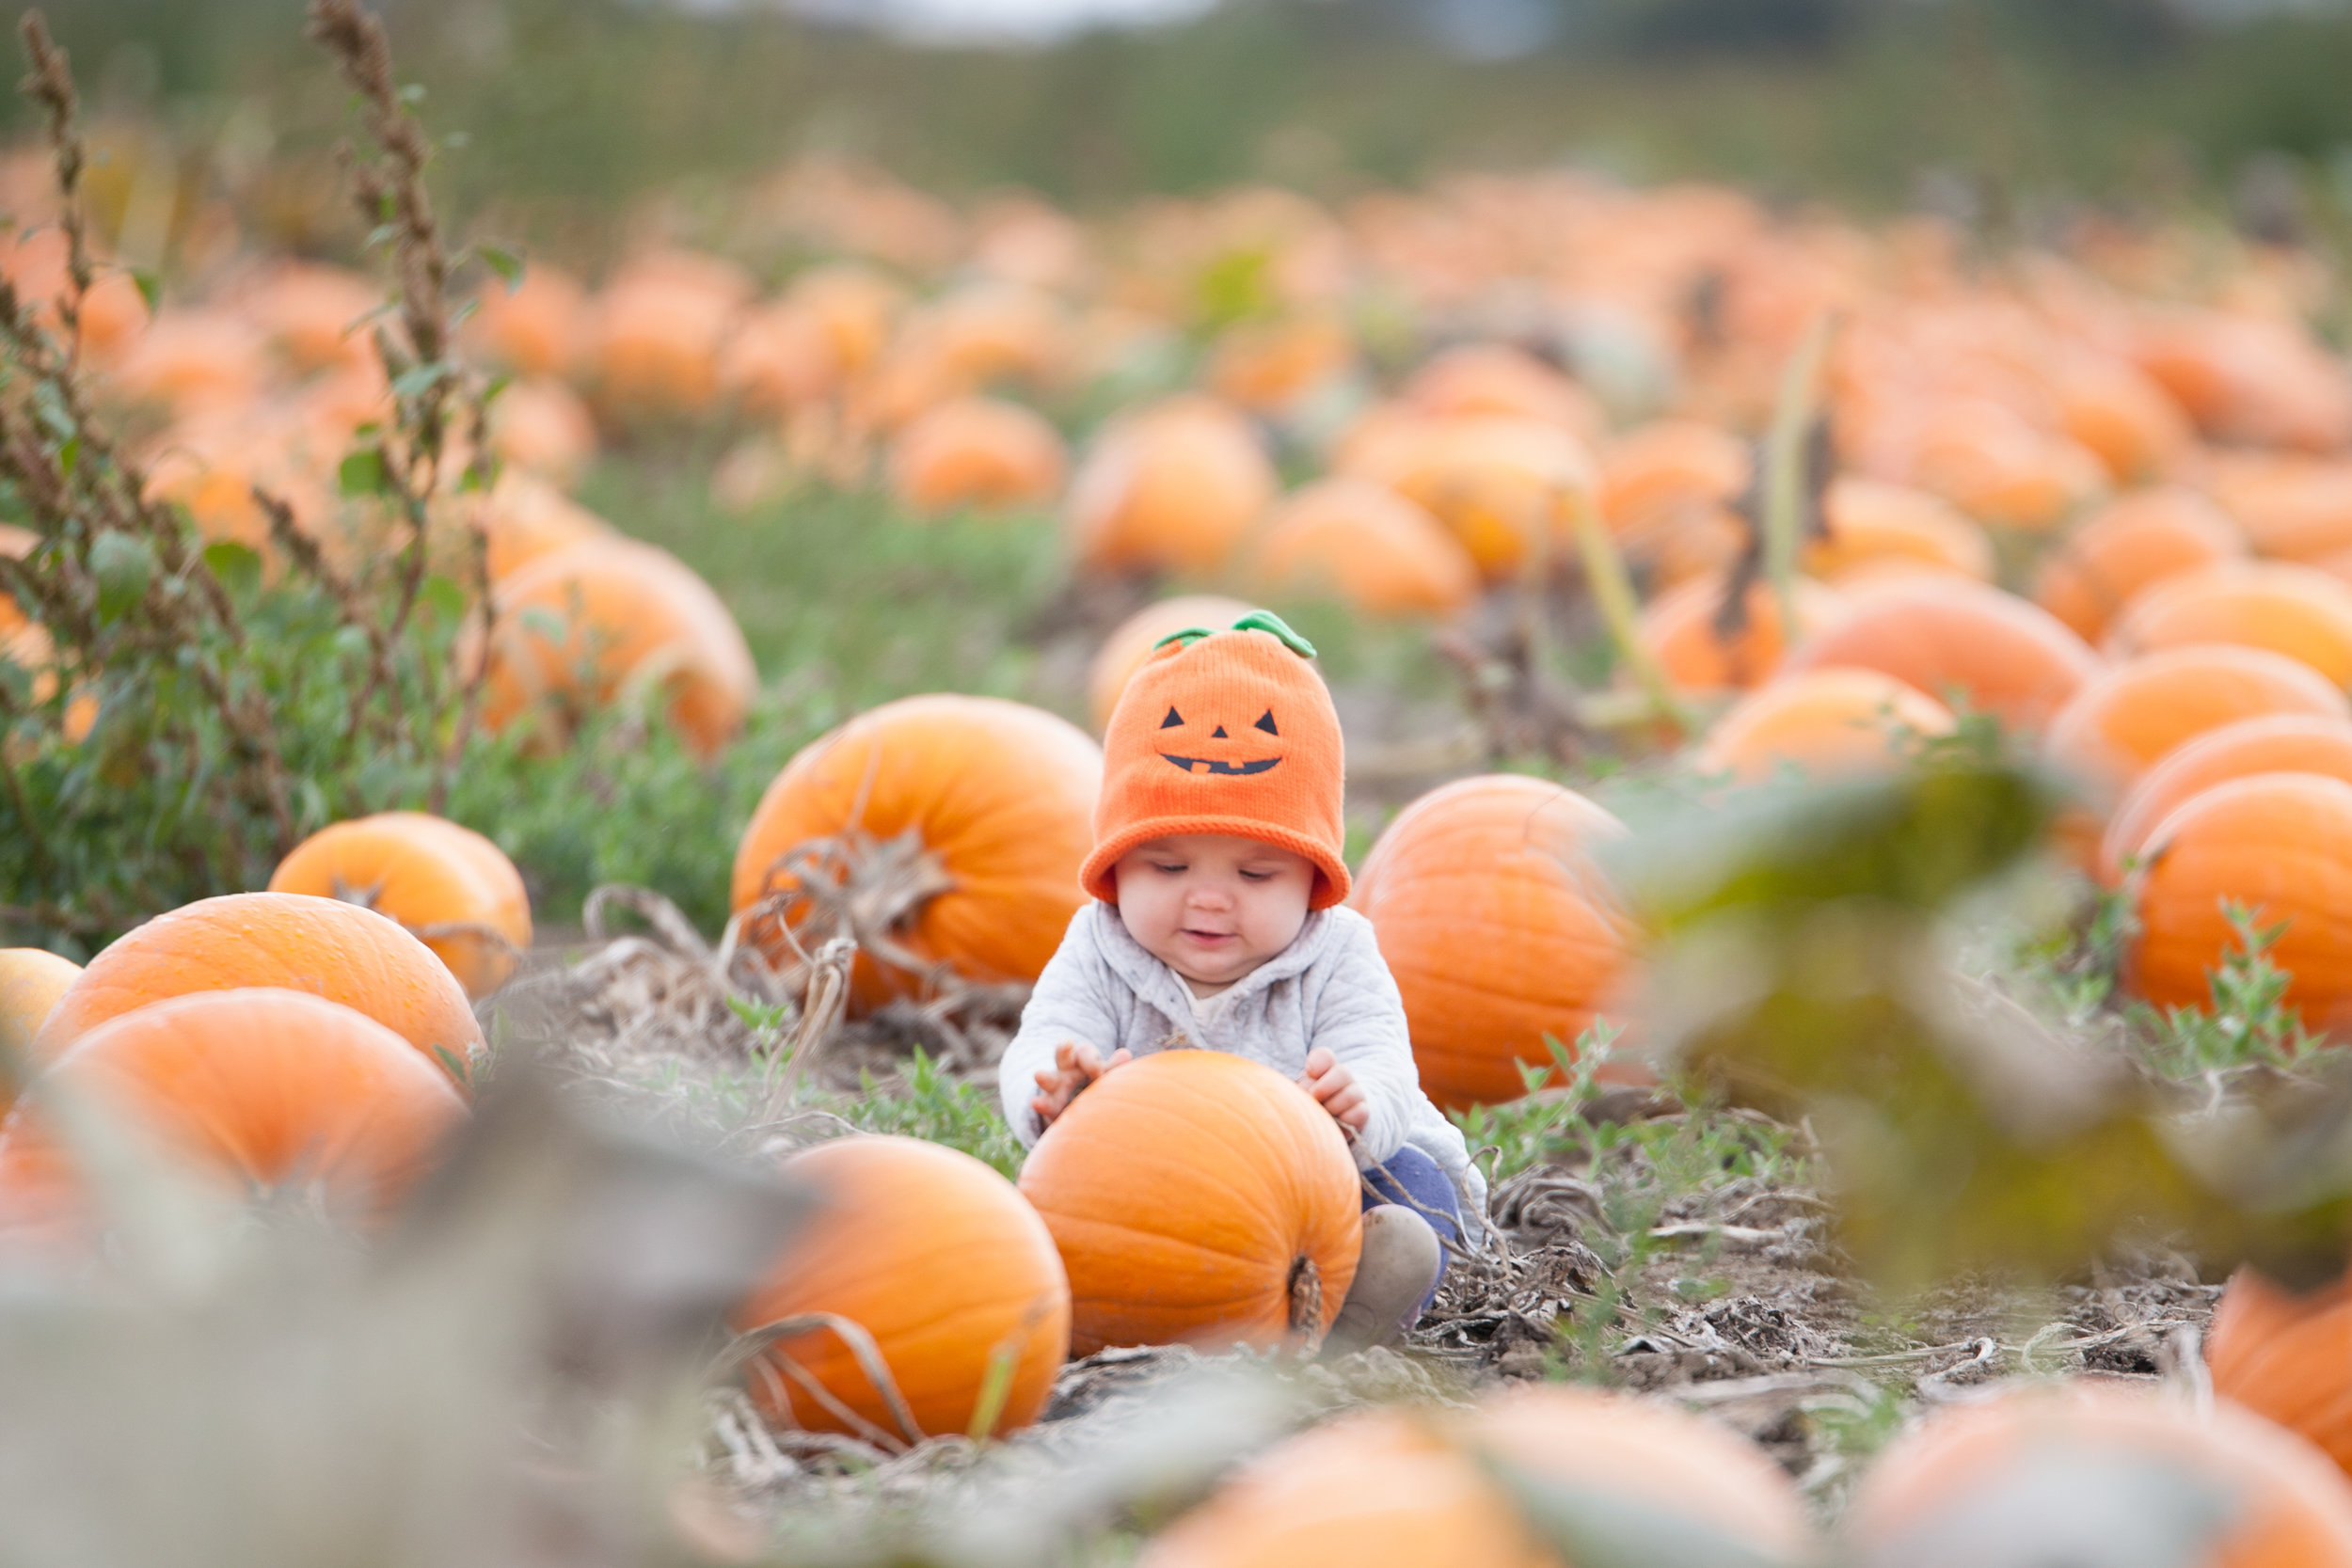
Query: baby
<point x="1217" y="866"/>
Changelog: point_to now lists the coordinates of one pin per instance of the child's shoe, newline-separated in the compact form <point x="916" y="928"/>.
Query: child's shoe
<point x="1394" y="1273"/>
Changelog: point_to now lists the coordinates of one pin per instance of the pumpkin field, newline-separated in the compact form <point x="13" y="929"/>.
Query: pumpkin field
<point x="537" y="779"/>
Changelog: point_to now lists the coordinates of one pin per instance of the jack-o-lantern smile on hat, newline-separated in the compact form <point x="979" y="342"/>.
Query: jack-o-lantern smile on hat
<point x="1229" y="733"/>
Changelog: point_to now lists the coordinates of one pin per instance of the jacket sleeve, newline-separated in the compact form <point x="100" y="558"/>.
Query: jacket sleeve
<point x="1360" y="1015"/>
<point x="1071" y="1003"/>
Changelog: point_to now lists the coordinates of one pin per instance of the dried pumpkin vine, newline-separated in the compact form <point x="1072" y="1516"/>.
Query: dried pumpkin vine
<point x="177" y="713"/>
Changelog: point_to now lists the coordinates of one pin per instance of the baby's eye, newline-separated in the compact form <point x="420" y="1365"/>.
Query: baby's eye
<point x="1257" y="875"/>
<point x="1165" y="870"/>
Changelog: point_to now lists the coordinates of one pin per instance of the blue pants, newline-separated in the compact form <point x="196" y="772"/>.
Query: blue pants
<point x="1411" y="1179"/>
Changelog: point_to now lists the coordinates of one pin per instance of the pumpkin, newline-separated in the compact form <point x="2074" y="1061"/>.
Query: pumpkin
<point x="1172" y="487"/>
<point x="1503" y="485"/>
<point x="1971" y="1465"/>
<point x="1271" y="367"/>
<point x="1498" y="379"/>
<point x="1948" y="636"/>
<point x="289" y="941"/>
<point x="2287" y="1358"/>
<point x="316" y="316"/>
<point x="1381" y="553"/>
<point x="1131" y="642"/>
<point x="524" y="517"/>
<point x="260" y="1085"/>
<point x="1682" y="630"/>
<point x="1868" y="523"/>
<point x="2120" y="413"/>
<point x="960" y="823"/>
<point x="541" y="427"/>
<point x="2293" y="508"/>
<point x="1497" y="926"/>
<point x="31" y="980"/>
<point x="2247" y="381"/>
<point x="977" y="453"/>
<point x="2300" y="611"/>
<point x="2135" y="712"/>
<point x="15" y="545"/>
<point x="1197" y="1198"/>
<point x="655" y="333"/>
<point x="2275" y="743"/>
<point x="1400" y="1488"/>
<point x="2277" y="843"/>
<point x="450" y="886"/>
<point x="1998" y="466"/>
<point x="535" y="328"/>
<point x="1662" y="473"/>
<point x="631" y="615"/>
<point x="942" y="1261"/>
<point x="2132" y="543"/>
<point x="1821" y="723"/>
<point x="780" y="357"/>
<point x="194" y="362"/>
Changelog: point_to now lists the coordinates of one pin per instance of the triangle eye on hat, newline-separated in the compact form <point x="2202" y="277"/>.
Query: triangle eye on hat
<point x="1229" y="733"/>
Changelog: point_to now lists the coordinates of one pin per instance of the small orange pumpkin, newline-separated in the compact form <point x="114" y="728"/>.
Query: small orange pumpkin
<point x="2250" y="381"/>
<point x="2278" y="843"/>
<point x="2275" y="743"/>
<point x="2120" y="412"/>
<point x="2287" y="1358"/>
<point x="31" y="980"/>
<point x="2131" y="544"/>
<point x="1682" y="629"/>
<point x="990" y="805"/>
<point x="1503" y="485"/>
<point x="541" y="427"/>
<point x="2292" y="1508"/>
<point x="976" y="451"/>
<point x="430" y="875"/>
<point x="262" y="1085"/>
<point x="1868" y="523"/>
<point x="1497" y="379"/>
<point x="1131" y="642"/>
<point x="288" y="941"/>
<point x="633" y="617"/>
<point x="2300" y="611"/>
<point x="2135" y="712"/>
<point x="655" y="334"/>
<point x="2293" y="508"/>
<point x="1399" y="1488"/>
<point x="1944" y="635"/>
<point x="1655" y="476"/>
<point x="535" y="328"/>
<point x="1497" y="926"/>
<point x="1823" y="723"/>
<point x="942" y="1261"/>
<point x="1381" y="553"/>
<point x="1171" y="487"/>
<point x="1193" y="1194"/>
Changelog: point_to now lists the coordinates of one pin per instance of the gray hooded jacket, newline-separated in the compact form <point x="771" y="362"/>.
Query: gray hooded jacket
<point x="1328" y="988"/>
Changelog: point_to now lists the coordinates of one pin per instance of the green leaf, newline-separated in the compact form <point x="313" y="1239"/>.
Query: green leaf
<point x="363" y="473"/>
<point x="151" y="287"/>
<point x="442" y="598"/>
<point x="68" y="457"/>
<point x="237" y="566"/>
<point x="124" y="565"/>
<point x="423" y="378"/>
<point x="508" y="266"/>
<point x="351" y="641"/>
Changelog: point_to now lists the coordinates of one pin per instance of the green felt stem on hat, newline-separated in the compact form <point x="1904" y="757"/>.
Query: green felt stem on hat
<point x="1257" y="620"/>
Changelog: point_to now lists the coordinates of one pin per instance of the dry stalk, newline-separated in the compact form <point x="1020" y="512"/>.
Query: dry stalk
<point x="853" y="1336"/>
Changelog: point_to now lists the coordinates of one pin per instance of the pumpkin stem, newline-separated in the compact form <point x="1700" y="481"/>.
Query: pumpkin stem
<point x="852" y="884"/>
<point x="345" y="892"/>
<point x="1306" y="1293"/>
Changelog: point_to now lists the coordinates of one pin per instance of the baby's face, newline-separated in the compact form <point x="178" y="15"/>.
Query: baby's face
<point x="1213" y="908"/>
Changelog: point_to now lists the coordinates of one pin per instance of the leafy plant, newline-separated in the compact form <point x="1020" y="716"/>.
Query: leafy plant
<point x="930" y="1104"/>
<point x="2249" y="1021"/>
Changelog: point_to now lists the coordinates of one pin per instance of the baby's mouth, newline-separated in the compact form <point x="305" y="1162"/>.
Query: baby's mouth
<point x="1215" y="766"/>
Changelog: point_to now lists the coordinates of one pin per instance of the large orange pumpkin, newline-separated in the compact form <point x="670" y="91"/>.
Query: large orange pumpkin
<point x="2120" y="412"/>
<point x="2135" y="712"/>
<point x="2277" y="843"/>
<point x="655" y="334"/>
<point x="1504" y="487"/>
<point x="1654" y="476"/>
<point x="2292" y="1508"/>
<point x="993" y="802"/>
<point x="2287" y="1358"/>
<point x="288" y="941"/>
<point x="1947" y="636"/>
<point x="430" y="875"/>
<point x="1171" y="487"/>
<point x="1868" y="524"/>
<point x="1193" y="1194"/>
<point x="1497" y="926"/>
<point x="1823" y="723"/>
<point x="2250" y="381"/>
<point x="942" y="1261"/>
<point x="1381" y="553"/>
<point x="2131" y="544"/>
<point x="1682" y="630"/>
<point x="1131" y="642"/>
<point x="2300" y="611"/>
<point x="2294" y="508"/>
<point x="1400" y="1488"/>
<point x="2275" y="743"/>
<point x="524" y="517"/>
<point x="977" y="453"/>
<point x="263" y="1085"/>
<point x="1498" y="379"/>
<point x="629" y="614"/>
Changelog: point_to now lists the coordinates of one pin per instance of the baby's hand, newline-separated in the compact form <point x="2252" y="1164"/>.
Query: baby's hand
<point x="1336" y="1091"/>
<point x="1074" y="1066"/>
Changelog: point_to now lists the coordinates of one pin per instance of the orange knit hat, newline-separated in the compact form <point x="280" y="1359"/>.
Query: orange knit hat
<point x="1231" y="732"/>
